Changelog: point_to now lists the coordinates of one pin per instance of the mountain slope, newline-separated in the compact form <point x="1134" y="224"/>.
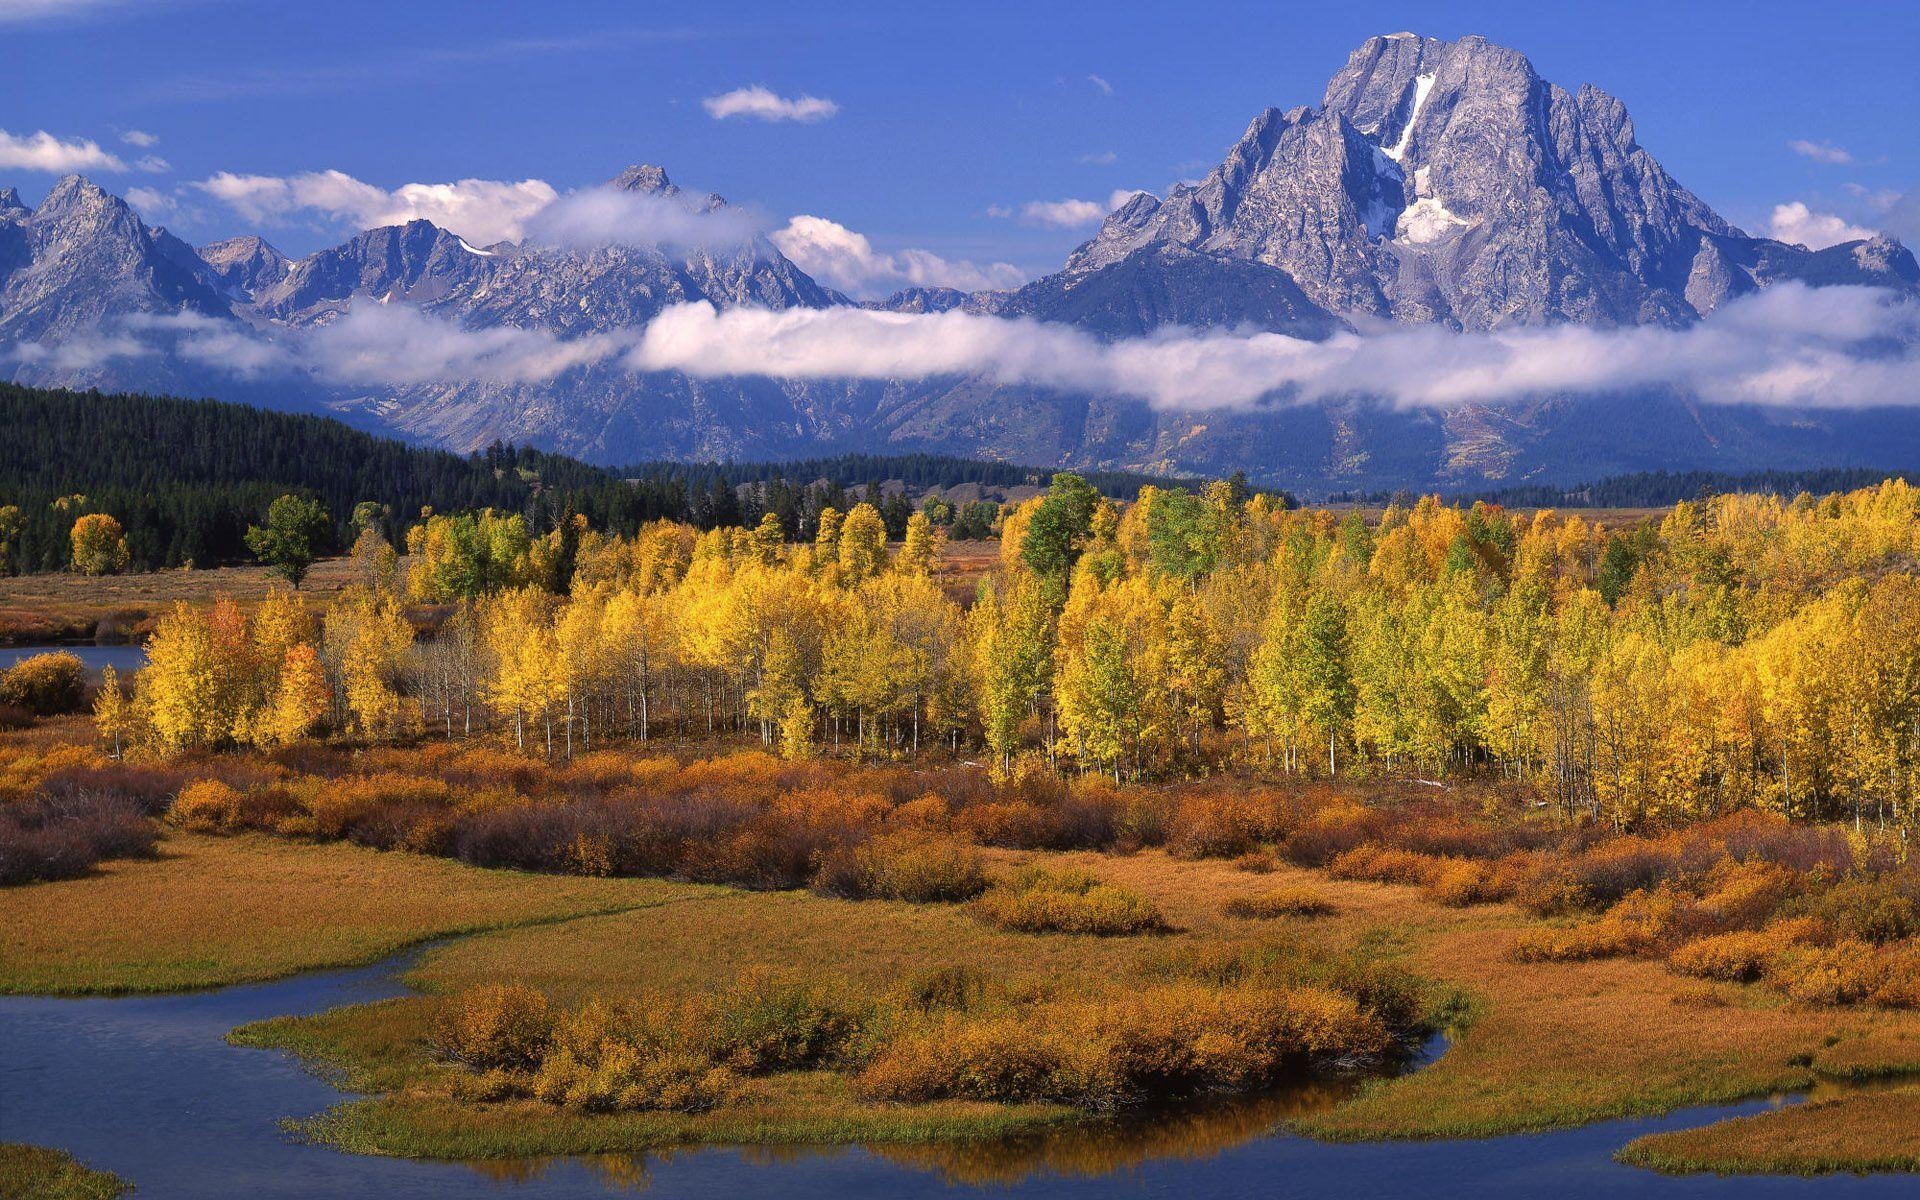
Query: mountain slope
<point x="1438" y="184"/>
<point x="1447" y="182"/>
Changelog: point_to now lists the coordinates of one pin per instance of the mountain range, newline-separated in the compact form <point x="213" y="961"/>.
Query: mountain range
<point x="1437" y="183"/>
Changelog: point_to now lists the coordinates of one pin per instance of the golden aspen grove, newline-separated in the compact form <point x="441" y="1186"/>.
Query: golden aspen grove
<point x="1742" y="652"/>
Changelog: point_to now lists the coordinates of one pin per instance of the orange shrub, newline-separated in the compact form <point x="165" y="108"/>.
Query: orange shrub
<point x="45" y="684"/>
<point x="914" y="866"/>
<point x="496" y="1027"/>
<point x="1636" y="925"/>
<point x="1034" y="900"/>
<point x="1383" y="864"/>
<point x="1846" y="972"/>
<point x="207" y="806"/>
<point x="1163" y="1041"/>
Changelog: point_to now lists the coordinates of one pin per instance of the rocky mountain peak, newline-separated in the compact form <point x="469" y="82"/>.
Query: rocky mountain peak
<point x="10" y="202"/>
<point x="245" y="266"/>
<point x="1445" y="181"/>
<point x="644" y="177"/>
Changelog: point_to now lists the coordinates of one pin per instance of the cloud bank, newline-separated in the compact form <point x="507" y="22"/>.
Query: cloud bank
<point x="481" y="210"/>
<point x="1796" y="222"/>
<point x="595" y="217"/>
<point x="843" y="259"/>
<point x="1790" y="346"/>
<point x="1062" y="214"/>
<point x="763" y="104"/>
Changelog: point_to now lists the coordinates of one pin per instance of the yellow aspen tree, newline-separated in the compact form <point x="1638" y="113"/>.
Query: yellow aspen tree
<point x="178" y="691"/>
<point x="299" y="702"/>
<point x="918" y="552"/>
<point x="863" y="544"/>
<point x="114" y="718"/>
<point x="99" y="546"/>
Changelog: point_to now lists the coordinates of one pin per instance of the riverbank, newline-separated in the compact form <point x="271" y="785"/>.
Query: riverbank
<point x="1535" y="1046"/>
<point x="37" y="1173"/>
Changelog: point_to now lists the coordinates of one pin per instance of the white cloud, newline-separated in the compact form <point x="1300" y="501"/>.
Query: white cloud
<point x="1797" y="223"/>
<point x="42" y="151"/>
<point x="481" y="210"/>
<point x="1789" y="345"/>
<point x="763" y="104"/>
<point x="152" y="203"/>
<point x="397" y="345"/>
<point x="140" y="138"/>
<point x="841" y="258"/>
<point x="1062" y="214"/>
<point x="1105" y="158"/>
<point x="999" y="211"/>
<point x="1877" y="199"/>
<point x="153" y="164"/>
<point x="1821" y="152"/>
<point x="1106" y="89"/>
<point x="609" y="217"/>
<point x="1121" y="195"/>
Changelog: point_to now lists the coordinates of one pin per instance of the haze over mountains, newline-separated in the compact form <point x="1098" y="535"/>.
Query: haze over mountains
<point x="1442" y="204"/>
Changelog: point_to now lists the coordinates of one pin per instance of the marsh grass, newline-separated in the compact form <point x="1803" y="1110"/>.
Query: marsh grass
<point x="1036" y="899"/>
<point x="38" y="1173"/>
<point x="213" y="911"/>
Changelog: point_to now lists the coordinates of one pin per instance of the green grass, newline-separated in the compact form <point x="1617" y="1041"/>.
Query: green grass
<point x="37" y="1173"/>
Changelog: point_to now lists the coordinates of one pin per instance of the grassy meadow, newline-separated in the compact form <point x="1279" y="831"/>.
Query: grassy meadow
<point x="208" y="912"/>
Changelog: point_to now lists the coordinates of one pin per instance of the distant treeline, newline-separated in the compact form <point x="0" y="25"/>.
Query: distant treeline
<point x="185" y="478"/>
<point x="919" y="472"/>
<point x="1655" y="489"/>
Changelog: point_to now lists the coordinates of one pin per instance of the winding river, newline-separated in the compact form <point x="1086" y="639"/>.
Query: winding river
<point x="147" y="1087"/>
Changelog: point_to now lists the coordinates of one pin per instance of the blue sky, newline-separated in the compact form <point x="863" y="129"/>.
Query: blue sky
<point x="941" y="115"/>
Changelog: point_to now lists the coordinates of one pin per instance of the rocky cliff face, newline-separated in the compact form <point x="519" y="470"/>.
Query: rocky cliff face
<point x="244" y="267"/>
<point x="1446" y="182"/>
<point x="1439" y="183"/>
<point x="82" y="257"/>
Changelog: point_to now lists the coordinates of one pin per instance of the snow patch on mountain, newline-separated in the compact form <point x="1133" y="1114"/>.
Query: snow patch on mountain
<point x="1427" y="221"/>
<point x="1421" y="86"/>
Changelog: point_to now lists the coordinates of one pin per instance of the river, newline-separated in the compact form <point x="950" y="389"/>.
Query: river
<point x="123" y="659"/>
<point x="147" y="1087"/>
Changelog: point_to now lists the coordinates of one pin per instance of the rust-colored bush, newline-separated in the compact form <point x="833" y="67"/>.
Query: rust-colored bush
<point x="1221" y="825"/>
<point x="919" y="867"/>
<point x="62" y="836"/>
<point x="1877" y="909"/>
<point x="1636" y="925"/>
<point x="1384" y="864"/>
<point x="207" y="806"/>
<point x="1281" y="902"/>
<point x="1332" y="831"/>
<point x="1846" y="972"/>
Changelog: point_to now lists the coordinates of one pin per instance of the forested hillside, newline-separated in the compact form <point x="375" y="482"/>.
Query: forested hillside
<point x="184" y="478"/>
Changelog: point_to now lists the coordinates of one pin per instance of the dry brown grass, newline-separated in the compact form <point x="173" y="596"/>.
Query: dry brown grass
<point x="212" y="911"/>
<point x="70" y="607"/>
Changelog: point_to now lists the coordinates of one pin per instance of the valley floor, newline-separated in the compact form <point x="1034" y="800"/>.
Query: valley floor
<point x="1533" y="1045"/>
